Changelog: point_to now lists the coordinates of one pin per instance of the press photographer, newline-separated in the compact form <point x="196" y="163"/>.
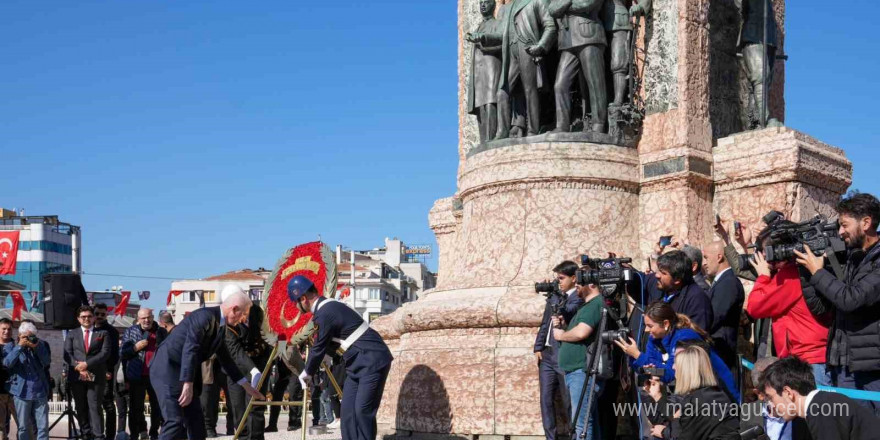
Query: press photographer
<point x="562" y="300"/>
<point x="577" y="339"/>
<point x="853" y="351"/>
<point x="28" y="365"/>
<point x="666" y="330"/>
<point x="673" y="283"/>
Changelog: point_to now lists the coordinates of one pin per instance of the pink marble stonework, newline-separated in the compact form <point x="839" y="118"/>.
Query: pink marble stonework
<point x="464" y="365"/>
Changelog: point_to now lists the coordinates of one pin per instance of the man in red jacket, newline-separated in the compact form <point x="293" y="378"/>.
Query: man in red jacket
<point x="796" y="330"/>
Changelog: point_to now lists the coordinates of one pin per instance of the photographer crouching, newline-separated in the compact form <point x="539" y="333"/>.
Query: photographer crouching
<point x="853" y="353"/>
<point x="573" y="357"/>
<point x="28" y="365"/>
<point x="563" y="301"/>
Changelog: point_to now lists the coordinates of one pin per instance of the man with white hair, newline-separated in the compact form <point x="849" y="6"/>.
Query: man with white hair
<point x="28" y="365"/>
<point x="176" y="369"/>
<point x="139" y="345"/>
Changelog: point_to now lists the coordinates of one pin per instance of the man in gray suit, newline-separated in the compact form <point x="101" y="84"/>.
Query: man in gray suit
<point x="582" y="49"/>
<point x="86" y="354"/>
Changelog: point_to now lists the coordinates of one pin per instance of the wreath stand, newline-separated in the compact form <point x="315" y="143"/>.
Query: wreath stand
<point x="304" y="403"/>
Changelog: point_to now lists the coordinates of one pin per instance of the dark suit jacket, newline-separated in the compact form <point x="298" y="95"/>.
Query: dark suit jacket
<point x="198" y="336"/>
<point x="537" y="24"/>
<point x="572" y="304"/>
<point x="830" y="422"/>
<point x="98" y="357"/>
<point x="337" y="320"/>
<point x="727" y="296"/>
<point x="695" y="424"/>
<point x="691" y="300"/>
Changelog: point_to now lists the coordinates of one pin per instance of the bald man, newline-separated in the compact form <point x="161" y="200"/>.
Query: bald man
<point x="727" y="296"/>
<point x="176" y="369"/>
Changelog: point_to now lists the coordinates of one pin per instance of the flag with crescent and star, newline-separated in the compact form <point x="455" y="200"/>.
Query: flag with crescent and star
<point x="8" y="252"/>
<point x="315" y="261"/>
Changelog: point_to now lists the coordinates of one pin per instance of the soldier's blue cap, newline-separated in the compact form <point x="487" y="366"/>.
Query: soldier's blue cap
<point x="298" y="286"/>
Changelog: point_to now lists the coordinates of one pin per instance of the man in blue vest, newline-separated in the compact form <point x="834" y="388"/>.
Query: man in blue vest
<point x="367" y="358"/>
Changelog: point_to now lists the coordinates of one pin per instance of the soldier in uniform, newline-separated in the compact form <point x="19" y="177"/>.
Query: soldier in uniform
<point x="616" y="16"/>
<point x="484" y="75"/>
<point x="526" y="34"/>
<point x="582" y="49"/>
<point x="367" y="358"/>
<point x="251" y="353"/>
<point x="758" y="46"/>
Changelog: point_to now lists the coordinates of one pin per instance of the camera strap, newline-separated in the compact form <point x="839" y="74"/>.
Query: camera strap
<point x="835" y="265"/>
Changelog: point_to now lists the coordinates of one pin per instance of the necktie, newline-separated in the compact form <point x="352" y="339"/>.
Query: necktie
<point x="87" y="341"/>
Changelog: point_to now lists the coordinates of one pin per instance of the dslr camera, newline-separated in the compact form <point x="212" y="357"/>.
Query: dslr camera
<point x="784" y="238"/>
<point x="551" y="290"/>
<point x="609" y="274"/>
<point x="32" y="339"/>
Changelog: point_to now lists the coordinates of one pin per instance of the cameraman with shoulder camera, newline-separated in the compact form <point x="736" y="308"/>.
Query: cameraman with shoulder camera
<point x="28" y="365"/>
<point x="778" y="295"/>
<point x="853" y="350"/>
<point x="551" y="377"/>
<point x="577" y="342"/>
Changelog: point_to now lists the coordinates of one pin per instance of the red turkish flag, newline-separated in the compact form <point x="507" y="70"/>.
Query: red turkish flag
<point x="123" y="303"/>
<point x="8" y="252"/>
<point x="17" y="305"/>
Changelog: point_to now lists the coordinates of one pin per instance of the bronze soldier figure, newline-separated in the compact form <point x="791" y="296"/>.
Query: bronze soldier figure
<point x="484" y="75"/>
<point x="582" y="50"/>
<point x="616" y="16"/>
<point x="757" y="41"/>
<point x="527" y="34"/>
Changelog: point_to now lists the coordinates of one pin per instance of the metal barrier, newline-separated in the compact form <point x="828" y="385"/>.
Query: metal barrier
<point x="849" y="392"/>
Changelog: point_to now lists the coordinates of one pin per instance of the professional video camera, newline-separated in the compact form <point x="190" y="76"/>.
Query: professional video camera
<point x="784" y="238"/>
<point x="551" y="291"/>
<point x="609" y="274"/>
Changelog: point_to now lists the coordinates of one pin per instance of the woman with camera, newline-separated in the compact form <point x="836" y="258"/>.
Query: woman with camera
<point x="665" y="330"/>
<point x="705" y="412"/>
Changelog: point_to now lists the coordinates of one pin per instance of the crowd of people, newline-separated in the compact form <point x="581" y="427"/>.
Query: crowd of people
<point x="180" y="371"/>
<point x="804" y="325"/>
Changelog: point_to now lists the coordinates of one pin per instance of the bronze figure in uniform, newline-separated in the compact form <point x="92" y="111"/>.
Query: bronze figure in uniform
<point x="757" y="41"/>
<point x="616" y="15"/>
<point x="582" y="51"/>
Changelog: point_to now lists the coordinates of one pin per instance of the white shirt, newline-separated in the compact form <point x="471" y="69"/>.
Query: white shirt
<point x="91" y="331"/>
<point x="809" y="401"/>
<point x="718" y="275"/>
<point x="572" y="291"/>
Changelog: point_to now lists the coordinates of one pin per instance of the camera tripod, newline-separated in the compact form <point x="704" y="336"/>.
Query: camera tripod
<point x="595" y="370"/>
<point x="73" y="432"/>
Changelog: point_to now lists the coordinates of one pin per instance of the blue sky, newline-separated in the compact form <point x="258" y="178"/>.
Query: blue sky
<point x="192" y="138"/>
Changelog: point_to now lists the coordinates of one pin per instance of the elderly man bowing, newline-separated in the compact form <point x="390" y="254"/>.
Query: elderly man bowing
<point x="176" y="368"/>
<point x="367" y="358"/>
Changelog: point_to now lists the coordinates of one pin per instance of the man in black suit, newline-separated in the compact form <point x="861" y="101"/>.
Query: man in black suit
<point x="176" y="369"/>
<point x="87" y="352"/>
<point x="790" y="387"/>
<point x="108" y="403"/>
<point x="727" y="296"/>
<point x="761" y="414"/>
<point x="551" y="378"/>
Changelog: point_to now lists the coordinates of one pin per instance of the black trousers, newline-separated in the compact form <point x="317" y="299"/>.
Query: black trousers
<point x="551" y="380"/>
<point x="210" y="400"/>
<point x="236" y="402"/>
<point x="121" y="408"/>
<point x="137" y="422"/>
<point x="87" y="397"/>
<point x="290" y="384"/>
<point x="108" y="404"/>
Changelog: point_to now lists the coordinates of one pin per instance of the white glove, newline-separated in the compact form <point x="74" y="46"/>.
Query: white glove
<point x="255" y="377"/>
<point x="304" y="380"/>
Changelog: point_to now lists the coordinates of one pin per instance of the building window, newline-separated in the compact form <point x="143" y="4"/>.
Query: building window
<point x="374" y="293"/>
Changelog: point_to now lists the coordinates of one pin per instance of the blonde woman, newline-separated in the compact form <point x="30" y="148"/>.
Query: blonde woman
<point x="706" y="411"/>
